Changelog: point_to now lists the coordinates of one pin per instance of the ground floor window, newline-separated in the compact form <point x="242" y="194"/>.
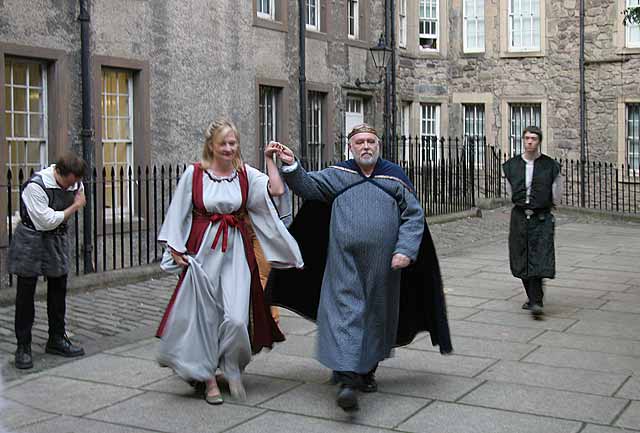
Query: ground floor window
<point x="521" y="116"/>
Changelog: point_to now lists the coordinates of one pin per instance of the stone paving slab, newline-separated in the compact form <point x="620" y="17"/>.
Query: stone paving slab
<point x="545" y="401"/>
<point x="78" y="425"/>
<point x="432" y="362"/>
<point x="493" y="349"/>
<point x="566" y="379"/>
<point x="589" y="343"/>
<point x="15" y="415"/>
<point x="572" y="358"/>
<point x="463" y="301"/>
<point x="629" y="331"/>
<point x="631" y="389"/>
<point x="514" y="306"/>
<point x="290" y="423"/>
<point x="492" y="332"/>
<point x="72" y="397"/>
<point x="259" y="388"/>
<point x="631" y="416"/>
<point x="165" y="413"/>
<point x="114" y="370"/>
<point x="423" y="385"/>
<point x="522" y="320"/>
<point x="289" y="367"/>
<point x="591" y="428"/>
<point x="376" y="410"/>
<point x="624" y="307"/>
<point x="457" y="418"/>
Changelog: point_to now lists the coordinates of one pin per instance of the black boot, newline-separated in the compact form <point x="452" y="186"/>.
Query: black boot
<point x="347" y="398"/>
<point x="369" y="383"/>
<point x="23" y="359"/>
<point x="61" y="345"/>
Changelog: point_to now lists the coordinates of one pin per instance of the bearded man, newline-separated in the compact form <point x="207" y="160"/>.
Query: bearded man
<point x="367" y="227"/>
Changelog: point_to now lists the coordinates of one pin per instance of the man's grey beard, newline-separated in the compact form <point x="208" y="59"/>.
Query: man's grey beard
<point x="368" y="163"/>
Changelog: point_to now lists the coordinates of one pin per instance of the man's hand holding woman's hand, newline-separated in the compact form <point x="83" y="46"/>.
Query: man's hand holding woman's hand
<point x="281" y="151"/>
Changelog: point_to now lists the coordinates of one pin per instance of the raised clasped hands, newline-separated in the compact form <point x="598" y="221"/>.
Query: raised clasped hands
<point x="281" y="151"/>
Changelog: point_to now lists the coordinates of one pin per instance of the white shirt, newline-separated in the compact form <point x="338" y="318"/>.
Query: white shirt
<point x="556" y="188"/>
<point x="37" y="202"/>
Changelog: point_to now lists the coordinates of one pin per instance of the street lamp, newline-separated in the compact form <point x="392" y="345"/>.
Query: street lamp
<point x="381" y="55"/>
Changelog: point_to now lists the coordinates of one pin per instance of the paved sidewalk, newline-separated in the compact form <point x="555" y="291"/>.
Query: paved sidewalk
<point x="576" y="371"/>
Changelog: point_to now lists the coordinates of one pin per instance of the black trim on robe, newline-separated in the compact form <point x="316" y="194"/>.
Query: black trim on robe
<point x="422" y="301"/>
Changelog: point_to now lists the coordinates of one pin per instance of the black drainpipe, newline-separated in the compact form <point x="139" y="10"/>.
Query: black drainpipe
<point x="87" y="129"/>
<point x="583" y="124"/>
<point x="302" y="77"/>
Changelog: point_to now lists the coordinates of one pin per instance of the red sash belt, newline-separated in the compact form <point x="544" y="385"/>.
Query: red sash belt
<point x="226" y="221"/>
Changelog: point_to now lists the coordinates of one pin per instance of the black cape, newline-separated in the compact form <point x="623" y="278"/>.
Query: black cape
<point x="422" y="301"/>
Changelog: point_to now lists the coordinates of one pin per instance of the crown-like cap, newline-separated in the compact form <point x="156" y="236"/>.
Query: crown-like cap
<point x="363" y="127"/>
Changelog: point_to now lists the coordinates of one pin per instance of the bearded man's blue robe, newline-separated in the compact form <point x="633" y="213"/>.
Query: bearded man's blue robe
<point x="348" y="285"/>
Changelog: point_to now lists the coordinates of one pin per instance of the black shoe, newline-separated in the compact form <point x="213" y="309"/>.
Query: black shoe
<point x="347" y="398"/>
<point x="23" y="359"/>
<point x="526" y="306"/>
<point x="369" y="383"/>
<point x="61" y="345"/>
<point x="536" y="310"/>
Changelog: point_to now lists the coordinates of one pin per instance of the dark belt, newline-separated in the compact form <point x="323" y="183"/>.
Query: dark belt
<point x="60" y="230"/>
<point x="531" y="212"/>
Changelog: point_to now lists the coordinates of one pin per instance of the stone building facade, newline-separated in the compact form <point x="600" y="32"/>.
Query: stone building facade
<point x="493" y="66"/>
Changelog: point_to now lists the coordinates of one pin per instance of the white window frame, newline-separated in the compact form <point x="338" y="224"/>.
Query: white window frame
<point x="270" y="4"/>
<point x="405" y="131"/>
<point x="268" y="106"/>
<point x="478" y="121"/>
<point x="527" y="110"/>
<point x="315" y="105"/>
<point x="10" y="137"/>
<point x="429" y="128"/>
<point x="313" y="5"/>
<point x="127" y="142"/>
<point x="353" y="105"/>
<point x="476" y="22"/>
<point x="425" y="10"/>
<point x="520" y="20"/>
<point x="632" y="28"/>
<point x="353" y="15"/>
<point x="632" y="137"/>
<point x="402" y="23"/>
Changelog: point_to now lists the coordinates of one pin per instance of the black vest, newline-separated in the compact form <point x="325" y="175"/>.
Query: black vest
<point x="545" y="171"/>
<point x="58" y="200"/>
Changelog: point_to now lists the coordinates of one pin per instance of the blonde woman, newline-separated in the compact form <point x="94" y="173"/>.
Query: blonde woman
<point x="217" y="316"/>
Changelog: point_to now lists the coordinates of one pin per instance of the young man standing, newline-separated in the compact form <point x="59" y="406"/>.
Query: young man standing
<point x="534" y="184"/>
<point x="40" y="247"/>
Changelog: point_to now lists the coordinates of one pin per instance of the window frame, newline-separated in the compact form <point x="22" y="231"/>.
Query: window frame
<point x="271" y="15"/>
<point x="465" y="22"/>
<point x="9" y="136"/>
<point x="515" y="132"/>
<point x="315" y="127"/>
<point x="431" y="154"/>
<point x="631" y="26"/>
<point x="425" y="6"/>
<point x="510" y="31"/>
<point x="266" y="132"/>
<point x="315" y="27"/>
<point x="632" y="161"/>
<point x="129" y="164"/>
<point x="402" y="24"/>
<point x="480" y="124"/>
<point x="355" y="19"/>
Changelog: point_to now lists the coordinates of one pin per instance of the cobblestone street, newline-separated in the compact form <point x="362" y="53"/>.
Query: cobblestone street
<point x="575" y="371"/>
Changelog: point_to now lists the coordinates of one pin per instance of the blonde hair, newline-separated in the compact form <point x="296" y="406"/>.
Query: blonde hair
<point x="215" y="133"/>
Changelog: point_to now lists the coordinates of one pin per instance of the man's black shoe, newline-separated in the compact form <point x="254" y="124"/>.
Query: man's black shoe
<point x="23" y="358"/>
<point x="347" y="398"/>
<point x="526" y="306"/>
<point x="369" y="383"/>
<point x="536" y="310"/>
<point x="62" y="346"/>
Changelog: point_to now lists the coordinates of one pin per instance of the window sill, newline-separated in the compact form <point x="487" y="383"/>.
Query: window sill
<point x="421" y="55"/>
<point x="269" y="24"/>
<point x="357" y="43"/>
<point x="628" y="51"/>
<point x="521" y="54"/>
<point x="473" y="54"/>
<point x="315" y="34"/>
